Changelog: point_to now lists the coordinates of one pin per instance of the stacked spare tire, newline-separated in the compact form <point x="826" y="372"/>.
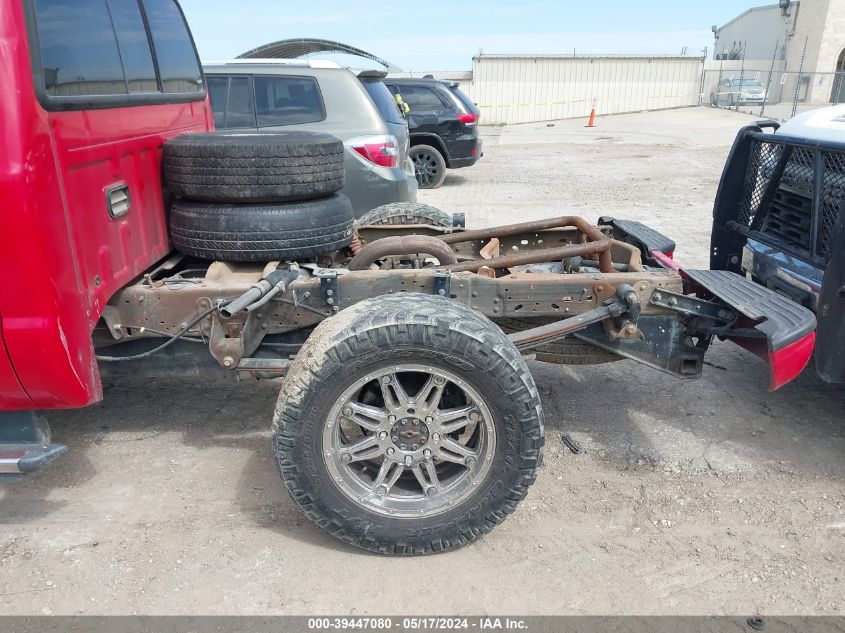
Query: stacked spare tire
<point x="257" y="196"/>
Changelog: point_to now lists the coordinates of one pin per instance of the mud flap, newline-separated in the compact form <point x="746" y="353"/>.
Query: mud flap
<point x="830" y="355"/>
<point x="786" y="330"/>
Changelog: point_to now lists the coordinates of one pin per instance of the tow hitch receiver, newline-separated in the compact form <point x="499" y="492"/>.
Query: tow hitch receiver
<point x="769" y="325"/>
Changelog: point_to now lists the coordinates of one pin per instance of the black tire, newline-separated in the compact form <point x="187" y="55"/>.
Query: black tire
<point x="405" y="213"/>
<point x="261" y="232"/>
<point x="374" y="336"/>
<point x="430" y="166"/>
<point x="569" y="351"/>
<point x="254" y="167"/>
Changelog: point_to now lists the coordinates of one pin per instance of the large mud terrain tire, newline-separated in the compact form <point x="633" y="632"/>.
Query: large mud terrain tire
<point x="568" y="351"/>
<point x="408" y="424"/>
<point x="254" y="167"/>
<point x="261" y="232"/>
<point x="405" y="213"/>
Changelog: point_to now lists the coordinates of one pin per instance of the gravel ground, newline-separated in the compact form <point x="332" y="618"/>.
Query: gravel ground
<point x="701" y="497"/>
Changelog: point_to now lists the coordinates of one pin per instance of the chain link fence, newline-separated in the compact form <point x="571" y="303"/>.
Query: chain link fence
<point x="774" y="93"/>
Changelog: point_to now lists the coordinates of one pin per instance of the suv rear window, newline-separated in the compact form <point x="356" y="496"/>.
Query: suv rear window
<point x="287" y="100"/>
<point x="231" y="101"/>
<point x="240" y="101"/>
<point x="420" y="97"/>
<point x="384" y="100"/>
<point x="101" y="49"/>
<point x="464" y="100"/>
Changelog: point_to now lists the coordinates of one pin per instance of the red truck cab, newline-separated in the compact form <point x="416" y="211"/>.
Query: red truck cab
<point x="90" y="90"/>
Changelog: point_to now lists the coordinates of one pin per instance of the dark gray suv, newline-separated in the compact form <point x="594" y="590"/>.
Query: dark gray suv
<point x="321" y="96"/>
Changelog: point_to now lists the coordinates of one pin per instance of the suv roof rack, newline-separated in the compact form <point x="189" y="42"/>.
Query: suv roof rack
<point x="303" y="63"/>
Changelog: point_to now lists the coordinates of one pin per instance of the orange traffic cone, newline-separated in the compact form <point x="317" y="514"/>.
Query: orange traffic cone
<point x="592" y="121"/>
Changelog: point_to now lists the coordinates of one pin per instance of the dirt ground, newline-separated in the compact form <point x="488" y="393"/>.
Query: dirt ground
<point x="695" y="497"/>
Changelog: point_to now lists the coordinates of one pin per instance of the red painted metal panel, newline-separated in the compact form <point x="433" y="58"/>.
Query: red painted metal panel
<point x="64" y="256"/>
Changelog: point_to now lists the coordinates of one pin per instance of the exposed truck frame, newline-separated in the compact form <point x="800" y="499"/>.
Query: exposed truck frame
<point x="408" y="421"/>
<point x="642" y="311"/>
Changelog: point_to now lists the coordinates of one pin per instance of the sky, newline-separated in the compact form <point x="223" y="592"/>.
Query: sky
<point x="442" y="35"/>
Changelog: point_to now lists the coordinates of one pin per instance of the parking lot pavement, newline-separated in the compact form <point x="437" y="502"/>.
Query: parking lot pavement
<point x="694" y="497"/>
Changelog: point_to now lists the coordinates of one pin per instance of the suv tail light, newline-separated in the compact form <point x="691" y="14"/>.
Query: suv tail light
<point x="379" y="150"/>
<point x="469" y="118"/>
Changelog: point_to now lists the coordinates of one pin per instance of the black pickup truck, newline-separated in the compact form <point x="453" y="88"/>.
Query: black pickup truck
<point x="779" y="219"/>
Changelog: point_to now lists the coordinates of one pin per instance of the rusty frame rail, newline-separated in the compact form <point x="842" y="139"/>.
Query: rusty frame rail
<point x="159" y="306"/>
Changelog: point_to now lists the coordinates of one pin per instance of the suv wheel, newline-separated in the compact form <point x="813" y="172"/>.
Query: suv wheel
<point x="408" y="425"/>
<point x="430" y="166"/>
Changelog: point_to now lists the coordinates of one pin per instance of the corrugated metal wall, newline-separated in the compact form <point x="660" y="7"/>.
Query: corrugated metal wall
<point x="524" y="89"/>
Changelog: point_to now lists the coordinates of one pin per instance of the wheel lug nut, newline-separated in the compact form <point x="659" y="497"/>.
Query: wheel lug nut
<point x="391" y="418"/>
<point x="474" y="416"/>
<point x="346" y="458"/>
<point x="427" y="452"/>
<point x="431" y="491"/>
<point x="382" y="435"/>
<point x="381" y="491"/>
<point x="385" y="380"/>
<point x="429" y="419"/>
<point x="439" y="380"/>
<point x="403" y="446"/>
<point x="347" y="411"/>
<point x="390" y="451"/>
<point x="408" y="460"/>
<point x="436" y="437"/>
<point x="470" y="461"/>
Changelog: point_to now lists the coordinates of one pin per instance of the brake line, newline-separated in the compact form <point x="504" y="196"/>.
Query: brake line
<point x="167" y="343"/>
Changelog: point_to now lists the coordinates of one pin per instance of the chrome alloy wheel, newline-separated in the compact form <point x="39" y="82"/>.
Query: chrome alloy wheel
<point x="409" y="441"/>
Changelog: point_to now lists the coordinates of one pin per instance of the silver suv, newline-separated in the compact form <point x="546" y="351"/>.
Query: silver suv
<point x="321" y="96"/>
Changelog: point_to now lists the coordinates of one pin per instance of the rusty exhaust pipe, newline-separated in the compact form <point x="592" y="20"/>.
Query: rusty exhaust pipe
<point x="598" y="244"/>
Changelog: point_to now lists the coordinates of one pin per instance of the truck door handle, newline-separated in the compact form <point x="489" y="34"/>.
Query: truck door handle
<point x="118" y="201"/>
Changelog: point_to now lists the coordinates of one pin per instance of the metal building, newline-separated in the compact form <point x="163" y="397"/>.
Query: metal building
<point x="523" y="89"/>
<point x="808" y="36"/>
